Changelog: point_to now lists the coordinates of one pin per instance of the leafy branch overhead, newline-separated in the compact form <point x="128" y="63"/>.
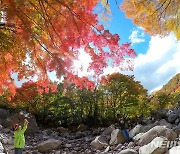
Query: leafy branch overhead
<point x="156" y="16"/>
<point x="41" y="36"/>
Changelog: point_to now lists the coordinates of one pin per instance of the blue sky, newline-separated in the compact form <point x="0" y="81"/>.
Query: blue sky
<point x="123" y="26"/>
<point x="157" y="58"/>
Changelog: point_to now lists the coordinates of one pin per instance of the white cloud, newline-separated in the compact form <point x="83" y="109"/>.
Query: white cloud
<point x="159" y="64"/>
<point x="137" y="36"/>
<point x="153" y="69"/>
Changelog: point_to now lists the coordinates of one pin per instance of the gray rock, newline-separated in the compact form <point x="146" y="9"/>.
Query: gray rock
<point x="106" y="134"/>
<point x="128" y="151"/>
<point x="137" y="137"/>
<point x="177" y="121"/>
<point x="163" y="122"/>
<point x="116" y="137"/>
<point x="174" y="150"/>
<point x="149" y="126"/>
<point x="163" y="113"/>
<point x="136" y="130"/>
<point x="107" y="149"/>
<point x="169" y="112"/>
<point x="176" y="127"/>
<point x="80" y="134"/>
<point x="48" y="145"/>
<point x="1" y="148"/>
<point x="6" y="130"/>
<point x="99" y="143"/>
<point x="7" y="140"/>
<point x="156" y="146"/>
<point x="172" y="118"/>
<point x="155" y="132"/>
<point x="108" y="130"/>
<point x="62" y="130"/>
<point x="82" y="128"/>
<point x="68" y="145"/>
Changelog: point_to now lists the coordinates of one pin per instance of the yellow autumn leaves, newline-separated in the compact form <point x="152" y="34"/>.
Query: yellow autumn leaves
<point x="157" y="17"/>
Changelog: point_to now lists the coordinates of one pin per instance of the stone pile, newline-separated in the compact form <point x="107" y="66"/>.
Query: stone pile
<point x="157" y="136"/>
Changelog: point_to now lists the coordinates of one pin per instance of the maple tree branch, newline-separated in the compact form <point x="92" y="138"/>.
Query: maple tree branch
<point x="164" y="10"/>
<point x="31" y="19"/>
<point x="84" y="21"/>
<point x="43" y="68"/>
<point x="51" y="22"/>
<point x="36" y="38"/>
<point x="44" y="13"/>
<point x="76" y="26"/>
<point x="158" y="8"/>
<point x="55" y="9"/>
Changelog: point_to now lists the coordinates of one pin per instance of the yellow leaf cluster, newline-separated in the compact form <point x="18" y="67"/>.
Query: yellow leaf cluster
<point x="155" y="16"/>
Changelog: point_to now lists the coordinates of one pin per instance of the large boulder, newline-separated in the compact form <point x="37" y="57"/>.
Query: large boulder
<point x="108" y="130"/>
<point x="136" y="130"/>
<point x="156" y="146"/>
<point x="99" y="143"/>
<point x="157" y="131"/>
<point x="106" y="134"/>
<point x="19" y="118"/>
<point x="48" y="145"/>
<point x="116" y="137"/>
<point x="128" y="151"/>
<point x="174" y="150"/>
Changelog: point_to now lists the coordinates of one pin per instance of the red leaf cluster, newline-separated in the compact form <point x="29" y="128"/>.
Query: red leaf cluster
<point x="46" y="36"/>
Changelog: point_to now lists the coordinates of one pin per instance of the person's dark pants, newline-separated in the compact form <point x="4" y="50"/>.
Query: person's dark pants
<point x="126" y="134"/>
<point x="18" y="150"/>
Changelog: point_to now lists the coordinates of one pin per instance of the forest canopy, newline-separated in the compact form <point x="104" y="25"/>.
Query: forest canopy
<point x="41" y="36"/>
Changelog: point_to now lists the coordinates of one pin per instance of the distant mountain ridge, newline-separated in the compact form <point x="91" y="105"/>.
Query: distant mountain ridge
<point x="172" y="86"/>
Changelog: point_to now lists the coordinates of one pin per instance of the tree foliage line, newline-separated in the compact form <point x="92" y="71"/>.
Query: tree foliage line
<point x="119" y="96"/>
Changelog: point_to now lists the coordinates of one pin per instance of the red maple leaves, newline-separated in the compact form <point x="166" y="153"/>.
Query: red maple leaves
<point x="47" y="36"/>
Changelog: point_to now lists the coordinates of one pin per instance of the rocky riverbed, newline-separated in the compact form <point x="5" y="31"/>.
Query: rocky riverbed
<point x="159" y="135"/>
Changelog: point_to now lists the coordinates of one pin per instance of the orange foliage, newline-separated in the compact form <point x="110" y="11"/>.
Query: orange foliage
<point x="41" y="36"/>
<point x="29" y="90"/>
<point x="157" y="17"/>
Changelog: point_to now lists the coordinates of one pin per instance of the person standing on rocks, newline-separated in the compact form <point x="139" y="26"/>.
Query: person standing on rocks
<point x="19" y="139"/>
<point x="124" y="130"/>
